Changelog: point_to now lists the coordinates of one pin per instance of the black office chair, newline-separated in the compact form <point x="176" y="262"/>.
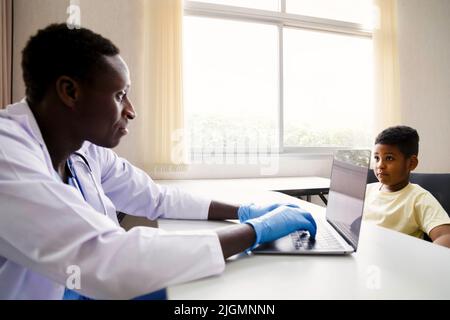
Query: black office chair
<point x="438" y="184"/>
<point x="371" y="177"/>
<point x="120" y="216"/>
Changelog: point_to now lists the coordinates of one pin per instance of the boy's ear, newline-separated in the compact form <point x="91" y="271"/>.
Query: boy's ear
<point x="413" y="162"/>
<point x="67" y="90"/>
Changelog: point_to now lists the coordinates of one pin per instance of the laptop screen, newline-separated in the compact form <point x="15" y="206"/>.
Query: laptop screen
<point x="347" y="192"/>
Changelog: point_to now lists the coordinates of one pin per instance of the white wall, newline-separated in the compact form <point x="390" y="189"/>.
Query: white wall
<point x="29" y="16"/>
<point x="118" y="20"/>
<point x="424" y="56"/>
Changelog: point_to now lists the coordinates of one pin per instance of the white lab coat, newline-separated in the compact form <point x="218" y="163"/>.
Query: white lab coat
<point x="47" y="226"/>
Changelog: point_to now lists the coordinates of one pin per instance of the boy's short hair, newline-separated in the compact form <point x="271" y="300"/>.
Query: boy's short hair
<point x="404" y="137"/>
<point x="57" y="50"/>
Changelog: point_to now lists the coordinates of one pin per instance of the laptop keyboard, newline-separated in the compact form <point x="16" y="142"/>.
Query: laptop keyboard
<point x="324" y="239"/>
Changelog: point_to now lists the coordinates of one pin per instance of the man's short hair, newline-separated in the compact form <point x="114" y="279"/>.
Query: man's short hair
<point x="56" y="51"/>
<point x="405" y="138"/>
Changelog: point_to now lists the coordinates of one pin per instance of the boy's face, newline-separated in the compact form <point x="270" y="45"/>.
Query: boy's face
<point x="392" y="168"/>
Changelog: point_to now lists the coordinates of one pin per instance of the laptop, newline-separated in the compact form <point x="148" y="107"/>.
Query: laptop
<point x="339" y="232"/>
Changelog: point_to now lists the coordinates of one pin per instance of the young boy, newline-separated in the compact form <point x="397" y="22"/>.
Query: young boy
<point x="394" y="202"/>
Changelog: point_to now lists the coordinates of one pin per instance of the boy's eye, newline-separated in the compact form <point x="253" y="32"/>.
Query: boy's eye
<point x="389" y="158"/>
<point x="376" y="158"/>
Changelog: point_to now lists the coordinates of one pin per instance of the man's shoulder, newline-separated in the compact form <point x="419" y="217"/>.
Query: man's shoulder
<point x="6" y="123"/>
<point x="12" y="130"/>
<point x="20" y="151"/>
<point x="15" y="122"/>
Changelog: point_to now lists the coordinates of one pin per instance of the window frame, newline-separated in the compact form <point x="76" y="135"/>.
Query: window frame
<point x="281" y="19"/>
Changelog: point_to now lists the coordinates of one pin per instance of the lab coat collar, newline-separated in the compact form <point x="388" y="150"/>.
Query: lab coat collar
<point x="22" y="113"/>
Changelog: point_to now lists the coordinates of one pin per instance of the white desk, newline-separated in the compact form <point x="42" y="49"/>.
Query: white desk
<point x="293" y="186"/>
<point x="388" y="265"/>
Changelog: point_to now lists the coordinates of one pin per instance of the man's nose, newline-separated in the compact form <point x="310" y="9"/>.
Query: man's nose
<point x="129" y="111"/>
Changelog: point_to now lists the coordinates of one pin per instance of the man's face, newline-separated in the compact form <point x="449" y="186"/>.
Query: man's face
<point x="104" y="106"/>
<point x="391" y="166"/>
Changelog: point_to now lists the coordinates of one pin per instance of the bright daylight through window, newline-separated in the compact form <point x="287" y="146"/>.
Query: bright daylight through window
<point x="284" y="75"/>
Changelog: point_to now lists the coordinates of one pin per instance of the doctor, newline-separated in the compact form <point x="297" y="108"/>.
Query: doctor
<point x="61" y="185"/>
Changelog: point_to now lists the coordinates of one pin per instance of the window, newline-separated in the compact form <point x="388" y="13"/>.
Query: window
<point x="280" y="75"/>
<point x="231" y="86"/>
<point x="327" y="89"/>
<point x="273" y="5"/>
<point x="356" y="11"/>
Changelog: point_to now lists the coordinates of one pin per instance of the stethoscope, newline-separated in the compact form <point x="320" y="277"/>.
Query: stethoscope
<point x="73" y="178"/>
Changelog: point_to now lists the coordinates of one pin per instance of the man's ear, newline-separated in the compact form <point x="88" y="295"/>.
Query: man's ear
<point x="68" y="90"/>
<point x="413" y="162"/>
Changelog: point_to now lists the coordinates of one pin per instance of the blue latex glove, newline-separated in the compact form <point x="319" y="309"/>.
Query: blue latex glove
<point x="251" y="211"/>
<point x="281" y="222"/>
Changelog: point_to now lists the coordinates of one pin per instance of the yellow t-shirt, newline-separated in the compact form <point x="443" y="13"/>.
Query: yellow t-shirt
<point x="411" y="210"/>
